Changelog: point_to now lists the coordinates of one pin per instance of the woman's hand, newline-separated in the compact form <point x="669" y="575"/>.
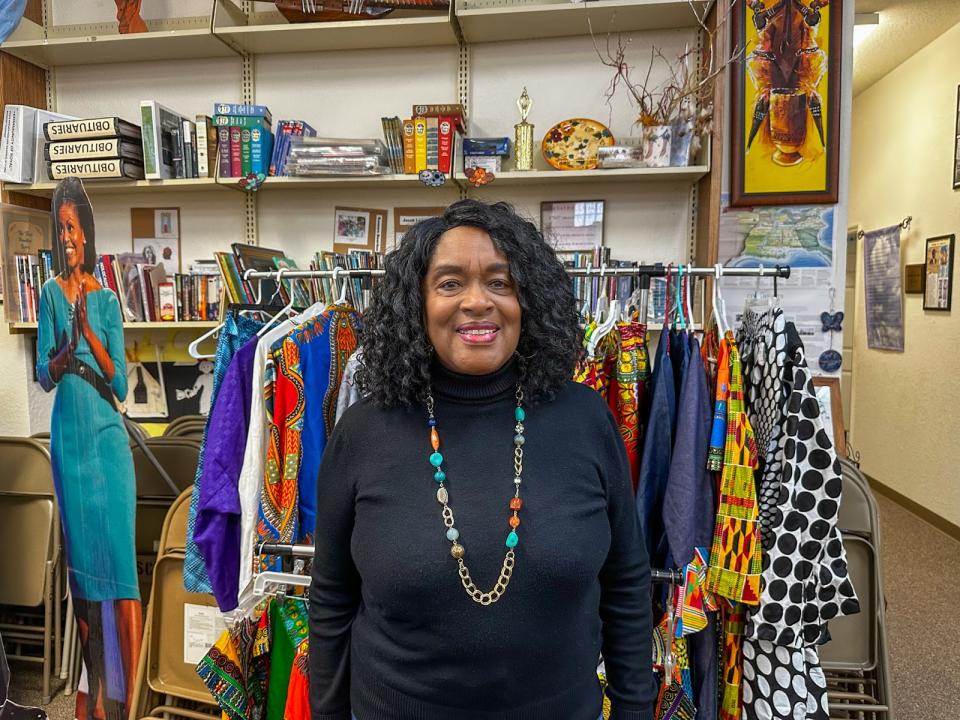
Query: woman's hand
<point x="82" y="318"/>
<point x="57" y="365"/>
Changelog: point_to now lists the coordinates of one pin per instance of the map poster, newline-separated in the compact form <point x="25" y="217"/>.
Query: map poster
<point x="881" y="280"/>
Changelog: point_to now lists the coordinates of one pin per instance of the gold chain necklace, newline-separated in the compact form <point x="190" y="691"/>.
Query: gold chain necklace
<point x="443" y="497"/>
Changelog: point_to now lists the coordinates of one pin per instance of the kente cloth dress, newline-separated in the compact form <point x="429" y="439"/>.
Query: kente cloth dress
<point x="90" y="451"/>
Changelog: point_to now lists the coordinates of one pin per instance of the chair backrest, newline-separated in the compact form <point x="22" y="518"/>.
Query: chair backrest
<point x="186" y="425"/>
<point x="179" y="456"/>
<point x="853" y="644"/>
<point x="858" y="507"/>
<point x="174" y="533"/>
<point x="28" y="520"/>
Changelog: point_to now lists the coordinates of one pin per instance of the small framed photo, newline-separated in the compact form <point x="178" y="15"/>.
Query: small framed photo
<point x="358" y="229"/>
<point x="572" y="225"/>
<point x="938" y="268"/>
<point x="831" y="411"/>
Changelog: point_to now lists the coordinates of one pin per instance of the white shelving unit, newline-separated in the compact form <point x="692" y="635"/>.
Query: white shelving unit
<point x="31" y="327"/>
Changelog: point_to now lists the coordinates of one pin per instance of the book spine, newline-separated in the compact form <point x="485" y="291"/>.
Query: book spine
<point x="16" y="155"/>
<point x="188" y="133"/>
<point x="223" y="151"/>
<point x="82" y="129"/>
<point x="445" y="136"/>
<point x="244" y="152"/>
<point x="168" y="310"/>
<point x="409" y="153"/>
<point x="241" y="121"/>
<point x="150" y="142"/>
<point x="260" y="146"/>
<point x="91" y="150"/>
<point x="243" y="110"/>
<point x="281" y="129"/>
<point x="235" y="153"/>
<point x="433" y="143"/>
<point x="420" y="143"/>
<point x="203" y="167"/>
<point x="105" y="168"/>
<point x="176" y="137"/>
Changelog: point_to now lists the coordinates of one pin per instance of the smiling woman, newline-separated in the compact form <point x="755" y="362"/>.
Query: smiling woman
<point x="417" y="611"/>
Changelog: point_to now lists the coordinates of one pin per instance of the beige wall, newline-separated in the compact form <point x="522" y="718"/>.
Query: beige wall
<point x="906" y="406"/>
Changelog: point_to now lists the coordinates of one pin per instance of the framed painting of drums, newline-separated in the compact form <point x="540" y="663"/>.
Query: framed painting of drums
<point x="785" y="138"/>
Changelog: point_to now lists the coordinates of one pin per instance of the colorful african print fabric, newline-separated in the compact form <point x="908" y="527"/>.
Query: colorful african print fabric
<point x="235" y="669"/>
<point x="632" y="370"/>
<point x="692" y="599"/>
<point x="735" y="562"/>
<point x="673" y="703"/>
<point x="298" y="689"/>
<point x="718" y="433"/>
<point x="731" y="700"/>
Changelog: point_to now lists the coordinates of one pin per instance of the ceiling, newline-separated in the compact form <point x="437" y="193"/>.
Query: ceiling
<point x="905" y="27"/>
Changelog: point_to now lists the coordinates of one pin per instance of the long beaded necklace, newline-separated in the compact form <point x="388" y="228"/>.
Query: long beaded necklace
<point x="443" y="497"/>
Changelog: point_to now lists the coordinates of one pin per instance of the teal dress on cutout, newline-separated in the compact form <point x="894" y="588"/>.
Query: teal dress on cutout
<point x="92" y="465"/>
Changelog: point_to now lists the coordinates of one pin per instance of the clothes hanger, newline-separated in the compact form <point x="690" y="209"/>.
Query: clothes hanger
<point x="719" y="306"/>
<point x="284" y="312"/>
<point x="342" y="298"/>
<point x="603" y="302"/>
<point x="678" y="298"/>
<point x="691" y="288"/>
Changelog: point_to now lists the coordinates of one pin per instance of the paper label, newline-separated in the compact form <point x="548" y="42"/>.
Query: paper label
<point x="202" y="626"/>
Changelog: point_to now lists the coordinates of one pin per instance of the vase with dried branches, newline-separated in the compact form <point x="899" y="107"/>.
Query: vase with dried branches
<point x="674" y="114"/>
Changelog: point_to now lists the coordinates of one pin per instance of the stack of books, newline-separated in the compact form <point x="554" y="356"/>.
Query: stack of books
<point x="106" y="147"/>
<point x="286" y="130"/>
<point x="32" y="273"/>
<point x="22" y="157"/>
<point x="312" y="156"/>
<point x="244" y="138"/>
<point x="429" y="140"/>
<point x="358" y="288"/>
<point x="174" y="146"/>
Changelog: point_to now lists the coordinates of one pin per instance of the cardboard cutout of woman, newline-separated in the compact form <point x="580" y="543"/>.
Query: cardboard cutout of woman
<point x="80" y="352"/>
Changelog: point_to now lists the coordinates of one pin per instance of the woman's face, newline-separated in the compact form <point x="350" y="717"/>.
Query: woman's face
<point x="470" y="303"/>
<point x="71" y="235"/>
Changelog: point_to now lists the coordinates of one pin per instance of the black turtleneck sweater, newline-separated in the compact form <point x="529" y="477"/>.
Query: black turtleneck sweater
<point x="393" y="634"/>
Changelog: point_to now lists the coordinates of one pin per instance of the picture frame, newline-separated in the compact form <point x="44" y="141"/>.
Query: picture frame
<point x="831" y="411"/>
<point x="938" y="272"/>
<point x="155" y="234"/>
<point x="359" y="229"/>
<point x="956" y="146"/>
<point x="573" y="225"/>
<point x="785" y="143"/>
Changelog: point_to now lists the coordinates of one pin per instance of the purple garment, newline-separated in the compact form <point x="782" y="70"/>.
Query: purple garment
<point x="217" y="530"/>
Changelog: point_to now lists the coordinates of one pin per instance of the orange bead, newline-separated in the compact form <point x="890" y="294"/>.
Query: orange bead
<point x="516" y="503"/>
<point x="435" y="438"/>
<point x="514" y="522"/>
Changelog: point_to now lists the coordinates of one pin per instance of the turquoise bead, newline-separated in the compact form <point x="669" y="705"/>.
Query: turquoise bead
<point x="512" y="539"/>
<point x="436" y="459"/>
<point x="453" y="534"/>
<point x="518" y="439"/>
<point x="439" y="476"/>
<point x="519" y="414"/>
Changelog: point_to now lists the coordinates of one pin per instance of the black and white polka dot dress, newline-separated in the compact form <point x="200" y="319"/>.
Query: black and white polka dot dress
<point x="805" y="582"/>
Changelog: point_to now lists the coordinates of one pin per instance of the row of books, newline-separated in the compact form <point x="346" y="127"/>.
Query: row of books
<point x="244" y="139"/>
<point x="145" y="292"/>
<point x="426" y="141"/>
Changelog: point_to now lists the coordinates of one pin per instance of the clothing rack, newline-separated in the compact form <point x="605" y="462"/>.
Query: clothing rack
<point x="671" y="577"/>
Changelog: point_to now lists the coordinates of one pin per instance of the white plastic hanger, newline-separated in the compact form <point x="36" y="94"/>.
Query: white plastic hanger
<point x="719" y="306"/>
<point x="603" y="303"/>
<point x="284" y="312"/>
<point x="342" y="297"/>
<point x="691" y="288"/>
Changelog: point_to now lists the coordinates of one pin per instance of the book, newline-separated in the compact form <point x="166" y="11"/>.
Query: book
<point x="243" y="110"/>
<point x="251" y="257"/>
<point x="105" y="168"/>
<point x="159" y="123"/>
<point x="232" y="281"/>
<point x="261" y="146"/>
<point x="454" y="110"/>
<point x="420" y="143"/>
<point x="235" y="153"/>
<point x="409" y="156"/>
<point x="241" y="121"/>
<point x="177" y="161"/>
<point x="90" y="128"/>
<point x="193" y="150"/>
<point x="168" y="301"/>
<point x="223" y="152"/>
<point x="115" y="147"/>
<point x="297" y="128"/>
<point x="206" y="146"/>
<point x="17" y="145"/>
<point x="41" y="172"/>
<point x="188" y="159"/>
<point x="244" y="152"/>
<point x="433" y="143"/>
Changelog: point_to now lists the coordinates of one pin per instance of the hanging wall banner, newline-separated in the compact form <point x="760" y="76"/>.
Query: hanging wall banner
<point x="81" y="356"/>
<point x="884" y="296"/>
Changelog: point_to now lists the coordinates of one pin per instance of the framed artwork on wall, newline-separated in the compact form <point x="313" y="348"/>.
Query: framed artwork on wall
<point x="938" y="263"/>
<point x="785" y="137"/>
<point x="572" y="226"/>
<point x="831" y="411"/>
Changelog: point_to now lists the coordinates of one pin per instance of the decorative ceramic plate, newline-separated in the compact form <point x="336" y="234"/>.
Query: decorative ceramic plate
<point x="572" y="144"/>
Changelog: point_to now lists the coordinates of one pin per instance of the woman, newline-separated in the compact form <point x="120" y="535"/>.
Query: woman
<point x="80" y="351"/>
<point x="477" y="544"/>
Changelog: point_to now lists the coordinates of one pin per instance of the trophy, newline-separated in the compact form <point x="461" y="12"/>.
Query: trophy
<point x="788" y="125"/>
<point x="523" y="135"/>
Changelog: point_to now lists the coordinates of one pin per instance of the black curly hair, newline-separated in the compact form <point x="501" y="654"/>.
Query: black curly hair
<point x="395" y="366"/>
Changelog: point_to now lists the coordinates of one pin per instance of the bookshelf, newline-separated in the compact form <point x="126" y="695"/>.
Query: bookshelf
<point x="113" y="187"/>
<point x="493" y="21"/>
<point x="620" y="175"/>
<point x="269" y="32"/>
<point x="31" y="327"/>
<point x="189" y="37"/>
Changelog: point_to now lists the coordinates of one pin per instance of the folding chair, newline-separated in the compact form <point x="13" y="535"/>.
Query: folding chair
<point x="186" y="426"/>
<point x="29" y="521"/>
<point x="856" y="662"/>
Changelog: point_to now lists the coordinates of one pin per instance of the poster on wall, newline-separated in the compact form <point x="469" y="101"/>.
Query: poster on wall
<point x="162" y="392"/>
<point x="938" y="283"/>
<point x="882" y="288"/>
<point x="800" y="236"/>
<point x="81" y="357"/>
<point x="786" y="103"/>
